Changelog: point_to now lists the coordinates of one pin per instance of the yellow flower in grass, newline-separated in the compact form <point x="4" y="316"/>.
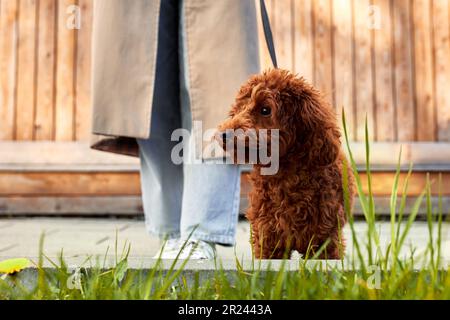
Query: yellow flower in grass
<point x="13" y="266"/>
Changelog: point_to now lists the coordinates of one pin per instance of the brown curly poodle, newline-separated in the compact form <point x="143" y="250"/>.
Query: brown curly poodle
<point x="301" y="206"/>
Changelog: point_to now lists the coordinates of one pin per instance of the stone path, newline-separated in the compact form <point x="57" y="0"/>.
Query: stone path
<point x="82" y="237"/>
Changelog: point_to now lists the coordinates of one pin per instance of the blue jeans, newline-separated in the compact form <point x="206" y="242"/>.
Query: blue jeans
<point x="202" y="199"/>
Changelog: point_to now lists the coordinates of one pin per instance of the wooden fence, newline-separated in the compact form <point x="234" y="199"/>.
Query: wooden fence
<point x="44" y="70"/>
<point x="387" y="59"/>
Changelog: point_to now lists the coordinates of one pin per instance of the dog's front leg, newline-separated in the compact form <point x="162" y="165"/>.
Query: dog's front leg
<point x="267" y="245"/>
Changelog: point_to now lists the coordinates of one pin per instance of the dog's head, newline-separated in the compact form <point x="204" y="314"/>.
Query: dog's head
<point x="277" y="99"/>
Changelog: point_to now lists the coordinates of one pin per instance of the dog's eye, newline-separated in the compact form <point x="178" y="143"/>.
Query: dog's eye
<point x="265" y="111"/>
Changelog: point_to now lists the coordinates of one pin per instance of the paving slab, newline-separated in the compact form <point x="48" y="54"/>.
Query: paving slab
<point x="83" y="237"/>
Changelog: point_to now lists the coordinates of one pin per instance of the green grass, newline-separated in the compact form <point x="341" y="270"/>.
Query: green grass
<point x="395" y="275"/>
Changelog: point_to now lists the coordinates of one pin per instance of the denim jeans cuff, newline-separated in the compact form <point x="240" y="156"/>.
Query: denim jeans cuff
<point x="225" y="240"/>
<point x="163" y="235"/>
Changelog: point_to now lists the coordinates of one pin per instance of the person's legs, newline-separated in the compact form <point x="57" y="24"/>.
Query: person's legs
<point x="210" y="202"/>
<point x="161" y="180"/>
<point x="211" y="191"/>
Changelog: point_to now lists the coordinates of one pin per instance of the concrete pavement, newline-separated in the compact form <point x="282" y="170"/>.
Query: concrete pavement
<point x="82" y="237"/>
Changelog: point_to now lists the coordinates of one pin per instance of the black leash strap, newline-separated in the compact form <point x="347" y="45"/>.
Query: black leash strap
<point x="268" y="34"/>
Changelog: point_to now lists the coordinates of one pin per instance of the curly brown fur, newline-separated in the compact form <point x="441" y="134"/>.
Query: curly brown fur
<point x="302" y="206"/>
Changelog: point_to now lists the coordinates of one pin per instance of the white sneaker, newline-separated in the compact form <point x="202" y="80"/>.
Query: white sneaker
<point x="169" y="249"/>
<point x="198" y="250"/>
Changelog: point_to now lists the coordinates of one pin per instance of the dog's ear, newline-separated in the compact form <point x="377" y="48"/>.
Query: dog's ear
<point x="317" y="130"/>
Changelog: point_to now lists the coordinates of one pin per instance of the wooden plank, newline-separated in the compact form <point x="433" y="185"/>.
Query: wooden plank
<point x="65" y="88"/>
<point x="44" y="122"/>
<point x="303" y="39"/>
<point x="423" y="53"/>
<point x="26" y="70"/>
<point x="441" y="32"/>
<point x="284" y="33"/>
<point x="383" y="181"/>
<point x="343" y="63"/>
<point x="14" y="184"/>
<point x="69" y="206"/>
<point x="83" y="90"/>
<point x="419" y="153"/>
<point x="132" y="206"/>
<point x="51" y="156"/>
<point x="8" y="63"/>
<point x="384" y="84"/>
<point x="382" y="206"/>
<point x="323" y="69"/>
<point x="363" y="70"/>
<point x="404" y="88"/>
<point x="69" y="183"/>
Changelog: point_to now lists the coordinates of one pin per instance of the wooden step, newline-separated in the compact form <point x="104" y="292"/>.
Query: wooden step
<point x="69" y="178"/>
<point x="131" y="206"/>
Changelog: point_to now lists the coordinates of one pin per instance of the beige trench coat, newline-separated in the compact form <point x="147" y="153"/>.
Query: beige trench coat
<point x="222" y="45"/>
